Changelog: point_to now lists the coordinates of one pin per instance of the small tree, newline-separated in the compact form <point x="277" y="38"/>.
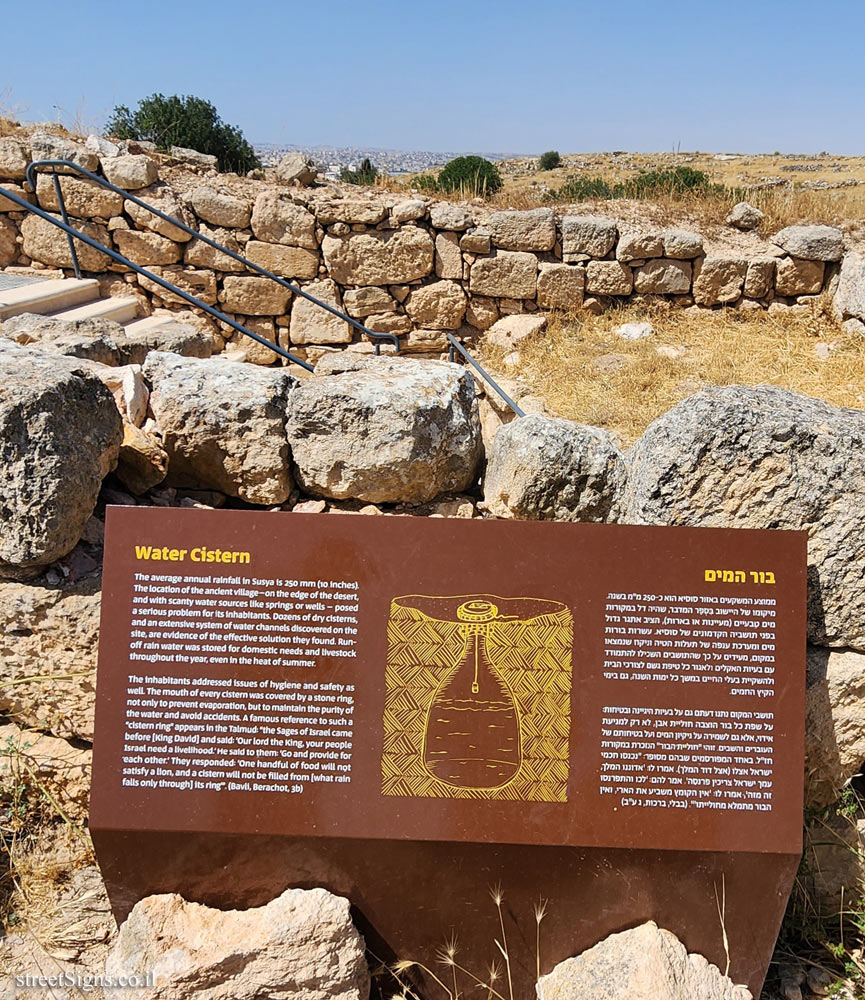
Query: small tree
<point x="549" y="160"/>
<point x="472" y="175"/>
<point x="366" y="173"/>
<point x="184" y="121"/>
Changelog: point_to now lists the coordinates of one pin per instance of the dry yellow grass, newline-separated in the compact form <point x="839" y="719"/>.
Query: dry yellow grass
<point x="526" y="187"/>
<point x="796" y="201"/>
<point x="586" y="372"/>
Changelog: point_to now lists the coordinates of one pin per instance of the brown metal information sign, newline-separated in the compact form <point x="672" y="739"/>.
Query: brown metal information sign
<point x="314" y="699"/>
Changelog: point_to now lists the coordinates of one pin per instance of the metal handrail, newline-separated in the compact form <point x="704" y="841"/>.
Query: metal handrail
<point x="72" y="234"/>
<point x="455" y="346"/>
<point x="36" y="165"/>
<point x="191" y="299"/>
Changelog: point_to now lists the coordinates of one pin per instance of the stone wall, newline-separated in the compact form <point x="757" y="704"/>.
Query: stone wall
<point x="403" y="265"/>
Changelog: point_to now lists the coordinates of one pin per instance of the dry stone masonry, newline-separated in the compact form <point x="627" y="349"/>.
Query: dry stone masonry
<point x="173" y="408"/>
<point x="408" y="266"/>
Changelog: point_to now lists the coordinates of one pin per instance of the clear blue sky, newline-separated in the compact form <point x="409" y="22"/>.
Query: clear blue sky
<point x="641" y="75"/>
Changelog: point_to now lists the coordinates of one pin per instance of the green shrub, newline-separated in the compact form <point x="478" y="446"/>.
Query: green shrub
<point x="581" y="189"/>
<point x="184" y="121"/>
<point x="549" y="160"/>
<point x="680" y="180"/>
<point x="470" y="175"/>
<point x="426" y="182"/>
<point x="649" y="184"/>
<point x="366" y="173"/>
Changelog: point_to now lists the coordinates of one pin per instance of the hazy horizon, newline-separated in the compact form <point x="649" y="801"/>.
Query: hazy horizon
<point x="573" y="76"/>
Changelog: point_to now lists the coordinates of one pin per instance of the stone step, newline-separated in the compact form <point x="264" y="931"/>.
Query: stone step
<point x="120" y="309"/>
<point x="148" y="324"/>
<point x="47" y="296"/>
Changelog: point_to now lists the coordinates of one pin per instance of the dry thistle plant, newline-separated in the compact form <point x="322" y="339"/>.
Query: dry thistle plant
<point x="446" y="956"/>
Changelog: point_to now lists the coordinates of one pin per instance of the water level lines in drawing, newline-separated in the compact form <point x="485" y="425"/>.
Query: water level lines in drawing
<point x="477" y="704"/>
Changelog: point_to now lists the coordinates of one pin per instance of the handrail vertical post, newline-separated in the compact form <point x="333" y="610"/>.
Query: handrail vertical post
<point x="58" y="191"/>
<point x="455" y="345"/>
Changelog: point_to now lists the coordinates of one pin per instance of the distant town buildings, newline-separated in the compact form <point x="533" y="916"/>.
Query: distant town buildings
<point x="332" y="159"/>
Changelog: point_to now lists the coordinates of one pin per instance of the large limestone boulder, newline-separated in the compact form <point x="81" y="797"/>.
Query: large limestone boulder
<point x="811" y="242"/>
<point x="718" y="279"/>
<point x="350" y="210"/>
<point x="143" y="462"/>
<point x="638" y="244"/>
<point x="130" y="172"/>
<point x="681" y="244"/>
<point x="164" y="200"/>
<point x="253" y="296"/>
<point x="296" y="168"/>
<point x="48" y="146"/>
<point x="206" y="161"/>
<point x="440" y="305"/>
<point x="745" y="216"/>
<point x="512" y="330"/>
<point x="759" y="277"/>
<point x="198" y="254"/>
<point x="834" y="730"/>
<point x="510" y="274"/>
<point x="199" y="283"/>
<point x="449" y="258"/>
<point x="60" y="435"/>
<point x="561" y="286"/>
<point x="146" y="248"/>
<point x="48" y="650"/>
<point x="766" y="458"/>
<point x="447" y="215"/>
<point x="408" y="210"/>
<point x="588" y="234"/>
<point x="222" y="425"/>
<point x="13" y="159"/>
<point x="663" y="277"/>
<point x="301" y="944"/>
<point x="644" y="963"/>
<point x="47" y="244"/>
<point x="83" y="198"/>
<point x="284" y="261"/>
<point x="379" y="258"/>
<point x="90" y="339"/>
<point x="849" y="301"/>
<point x="798" y="277"/>
<point x="310" y="324"/>
<point x="219" y="207"/>
<point x="362" y="302"/>
<point x="549" y="469"/>
<point x="103" y="340"/>
<point x="392" y="430"/>
<point x="178" y="338"/>
<point x="609" y="277"/>
<point x="534" y="230"/>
